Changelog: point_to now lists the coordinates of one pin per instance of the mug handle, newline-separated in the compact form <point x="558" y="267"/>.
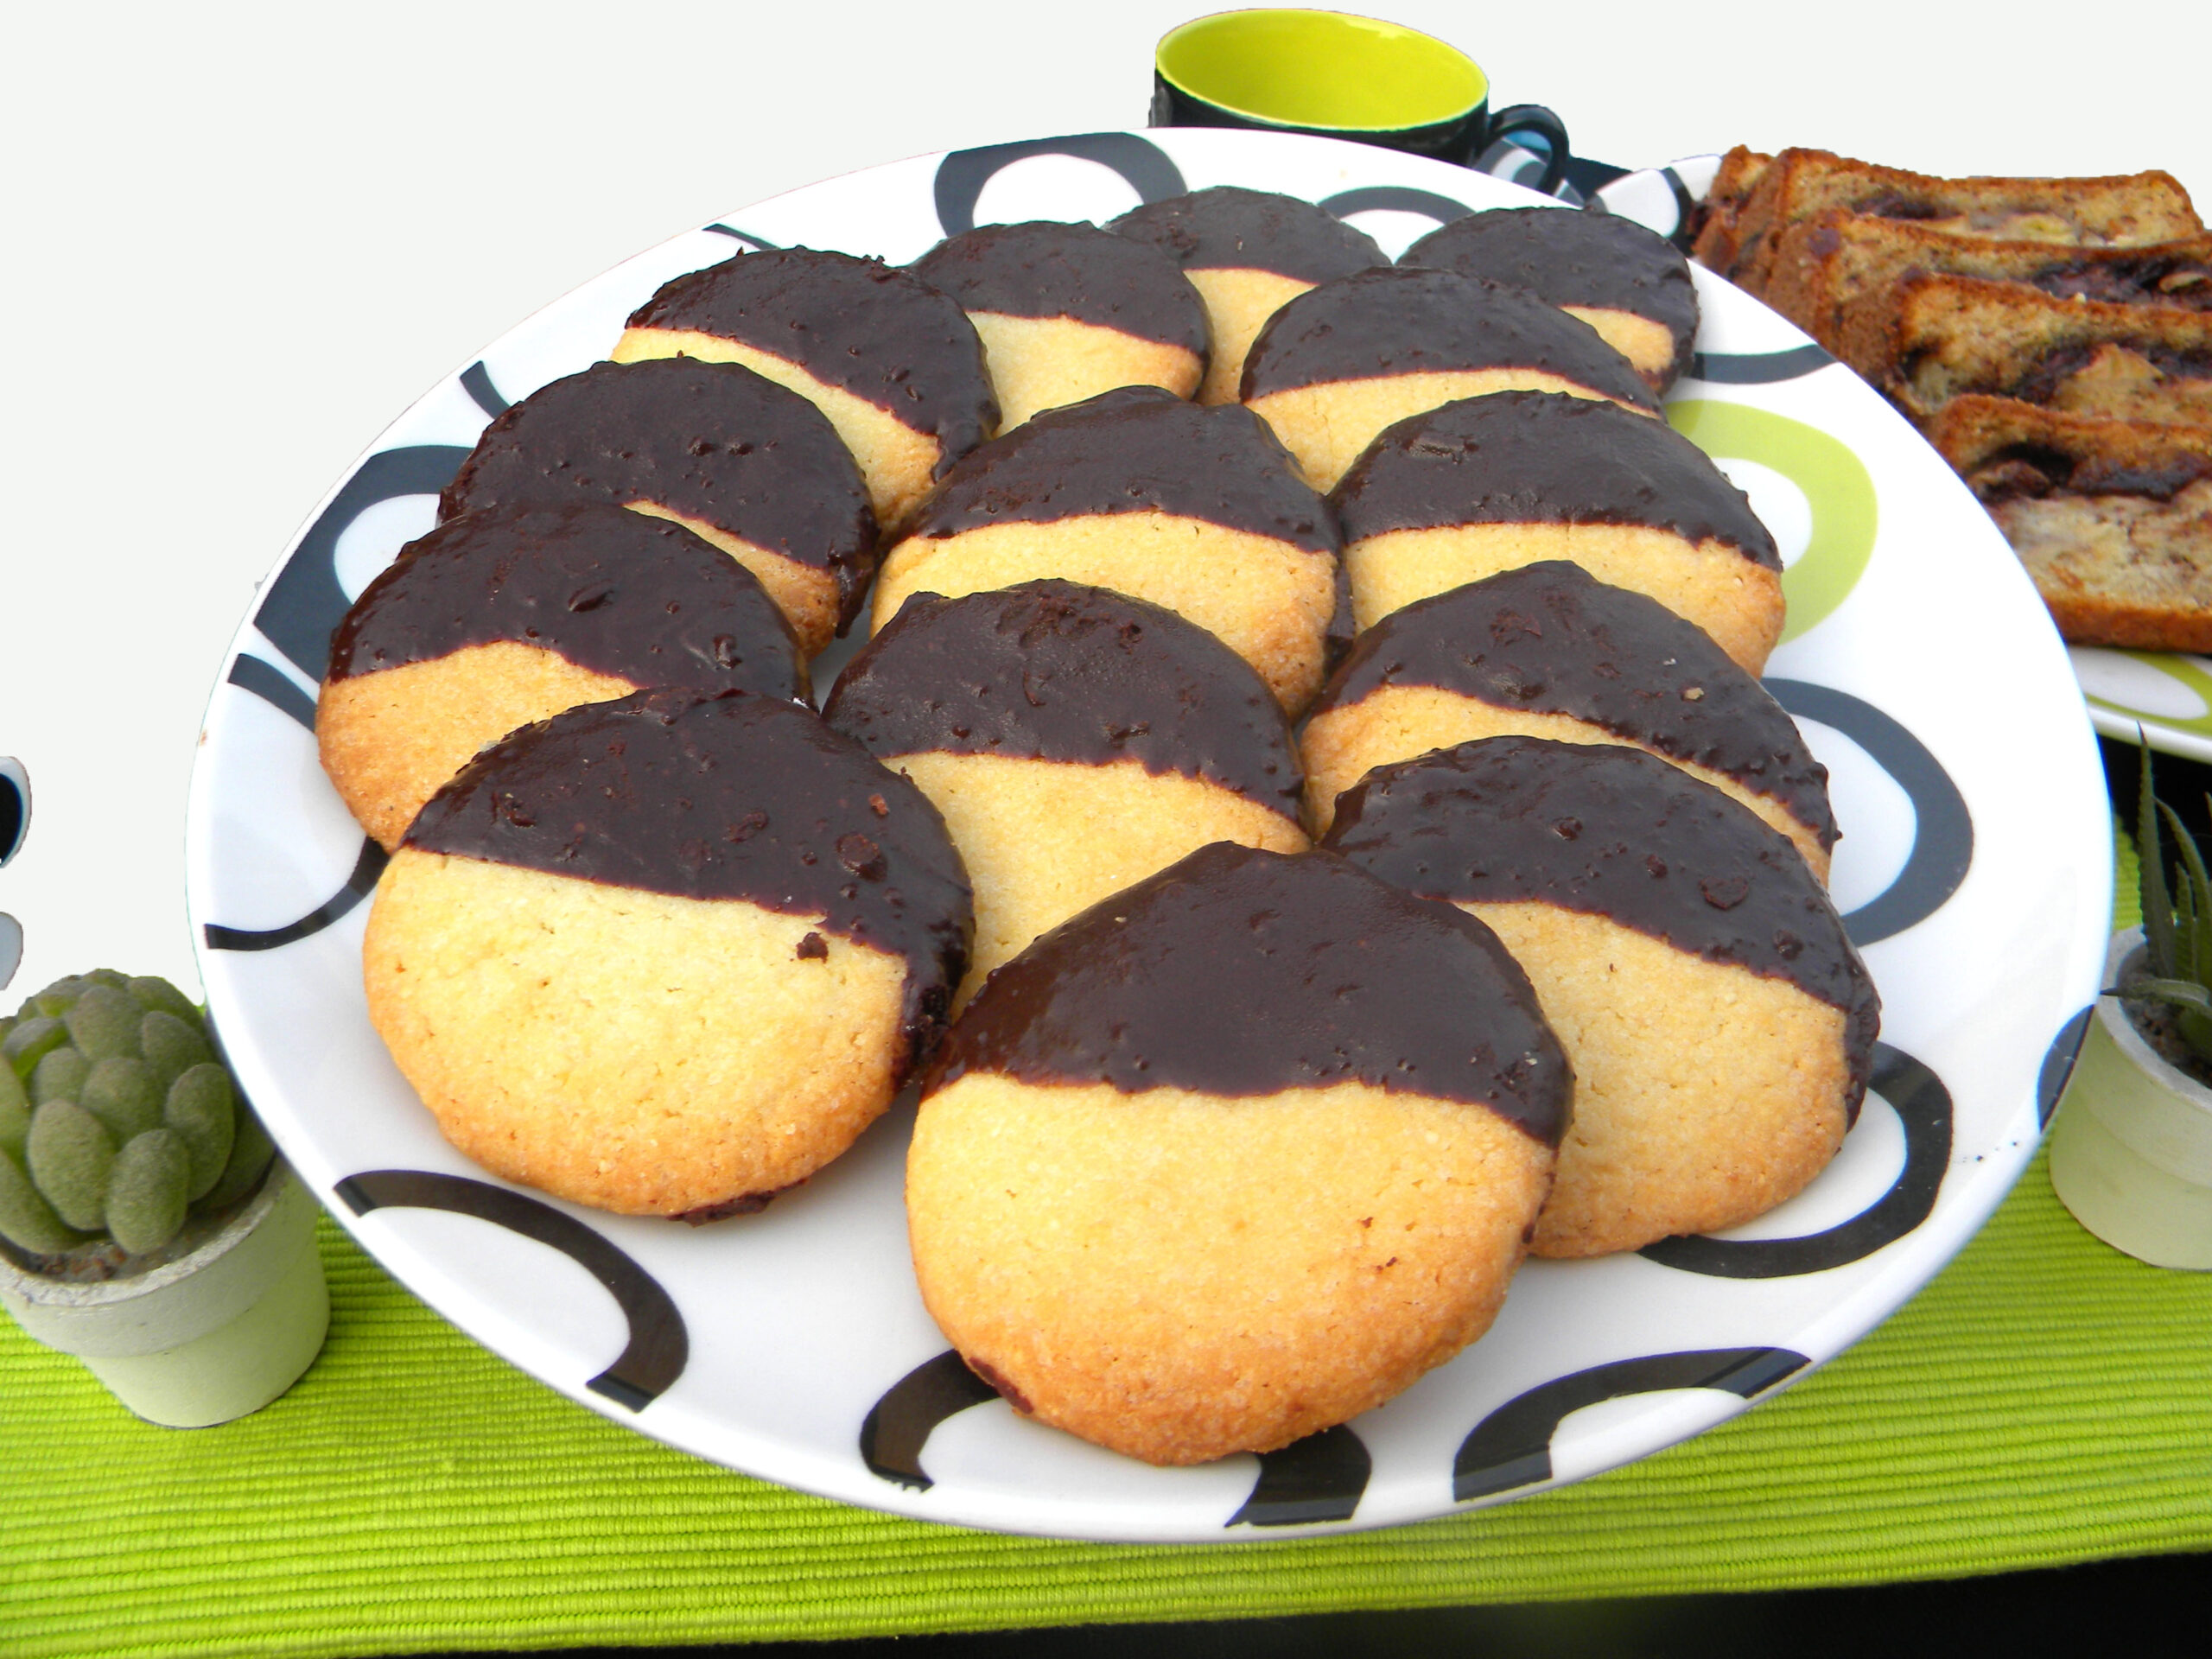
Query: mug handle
<point x="1534" y="117"/>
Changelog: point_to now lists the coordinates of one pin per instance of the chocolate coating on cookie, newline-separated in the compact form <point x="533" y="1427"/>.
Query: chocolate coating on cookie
<point x="1549" y="639"/>
<point x="723" y="796"/>
<point x="714" y="441"/>
<point x="874" y="330"/>
<point x="1136" y="449"/>
<point x="1596" y="260"/>
<point x="1614" y="832"/>
<point x="1231" y="228"/>
<point x="1544" y="458"/>
<point x="1052" y="671"/>
<point x="1240" y="973"/>
<point x="1049" y="269"/>
<point x="613" y="591"/>
<point x="1401" y="320"/>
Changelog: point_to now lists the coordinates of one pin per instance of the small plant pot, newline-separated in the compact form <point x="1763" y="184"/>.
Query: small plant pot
<point x="207" y="1336"/>
<point x="2131" y="1153"/>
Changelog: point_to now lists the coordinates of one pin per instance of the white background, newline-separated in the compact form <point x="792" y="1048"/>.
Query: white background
<point x="240" y="239"/>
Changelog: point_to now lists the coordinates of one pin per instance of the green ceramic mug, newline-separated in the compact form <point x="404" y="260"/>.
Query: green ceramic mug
<point x="1327" y="72"/>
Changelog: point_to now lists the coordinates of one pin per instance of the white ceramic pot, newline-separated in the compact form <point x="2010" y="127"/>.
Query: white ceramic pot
<point x="2131" y="1153"/>
<point x="209" y="1337"/>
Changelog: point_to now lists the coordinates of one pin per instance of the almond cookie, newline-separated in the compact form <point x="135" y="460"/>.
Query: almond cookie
<point x="1545" y="651"/>
<point x="734" y="458"/>
<point x="1492" y="483"/>
<point x="666" y="956"/>
<point x="1334" y="368"/>
<point x="1248" y="253"/>
<point x="1199" y="510"/>
<point x="1631" y="284"/>
<point x="1068" y="311"/>
<point x="498" y="618"/>
<point x="895" y="364"/>
<point x="1721" y="1025"/>
<point x="1075" y="739"/>
<point x="1233" y="1156"/>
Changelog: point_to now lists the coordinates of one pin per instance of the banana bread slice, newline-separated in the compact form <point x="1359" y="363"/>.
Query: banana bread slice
<point x="1715" y="244"/>
<point x="2112" y="519"/>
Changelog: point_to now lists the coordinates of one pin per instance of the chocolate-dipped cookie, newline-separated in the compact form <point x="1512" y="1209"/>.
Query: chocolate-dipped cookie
<point x="749" y="465"/>
<point x="1721" y="1026"/>
<point x="1233" y="1156"/>
<point x="1545" y="651"/>
<point x="1491" y="483"/>
<point x="1335" y="366"/>
<point x="500" y="618"/>
<point x="895" y="363"/>
<point x="1631" y="284"/>
<point x="1068" y="311"/>
<point x="668" y="955"/>
<point x="1075" y="739"/>
<point x="1248" y="253"/>
<point x="1200" y="509"/>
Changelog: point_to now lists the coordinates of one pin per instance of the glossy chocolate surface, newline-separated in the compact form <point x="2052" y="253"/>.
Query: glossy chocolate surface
<point x="1613" y="832"/>
<point x="714" y="441"/>
<point x="1404" y="320"/>
<point x="1594" y="260"/>
<point x="1231" y="228"/>
<point x="1048" y="268"/>
<point x="1549" y="639"/>
<point x="723" y="796"/>
<point x="1241" y="973"/>
<point x="1544" y="458"/>
<point x="1052" y="670"/>
<point x="607" y="589"/>
<point x="871" y="329"/>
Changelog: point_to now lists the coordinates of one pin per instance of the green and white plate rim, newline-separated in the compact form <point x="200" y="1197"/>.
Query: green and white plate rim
<point x="793" y="1345"/>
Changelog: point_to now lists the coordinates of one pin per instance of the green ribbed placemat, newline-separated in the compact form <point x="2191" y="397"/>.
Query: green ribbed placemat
<point x="2045" y="1400"/>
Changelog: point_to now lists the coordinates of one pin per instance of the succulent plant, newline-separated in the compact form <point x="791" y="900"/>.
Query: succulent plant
<point x="117" y="1117"/>
<point x="2177" y="961"/>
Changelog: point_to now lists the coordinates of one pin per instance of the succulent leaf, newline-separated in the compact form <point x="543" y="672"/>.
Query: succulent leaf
<point x="200" y="1111"/>
<point x="68" y="1154"/>
<point x="26" y="1219"/>
<point x="146" y="1193"/>
<point x="121" y="1092"/>
<point x="15" y="1115"/>
<point x="155" y="993"/>
<point x="31" y="1041"/>
<point x="13" y="1095"/>
<point x="60" y="1075"/>
<point x="250" y="1151"/>
<point x="58" y="998"/>
<point x="104" y="1022"/>
<point x="171" y="1045"/>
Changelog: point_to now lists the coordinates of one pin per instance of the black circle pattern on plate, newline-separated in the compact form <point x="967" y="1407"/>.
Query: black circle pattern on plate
<point x="658" y="1346"/>
<point x="1396" y="199"/>
<point x="1319" y="1478"/>
<point x="476" y="381"/>
<point x="1922" y="1104"/>
<point x="760" y="243"/>
<point x="1142" y="165"/>
<point x="15" y="806"/>
<point x="1512" y="1446"/>
<point x="367" y="866"/>
<point x="1757" y="368"/>
<point x="1942" y="830"/>
<point x="2058" y="1064"/>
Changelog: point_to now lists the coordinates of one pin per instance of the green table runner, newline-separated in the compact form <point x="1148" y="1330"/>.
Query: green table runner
<point x="2045" y="1400"/>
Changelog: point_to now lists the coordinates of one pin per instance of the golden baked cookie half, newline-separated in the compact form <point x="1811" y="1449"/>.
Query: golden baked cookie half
<point x="1200" y="509"/>
<point x="895" y="364"/>
<point x="1075" y="739"/>
<point x="1233" y="1156"/>
<point x="734" y="457"/>
<point x="1630" y="283"/>
<point x="501" y="618"/>
<point x="1248" y="252"/>
<point x="1068" y="311"/>
<point x="666" y="956"/>
<point x="1488" y="483"/>
<point x="1546" y="651"/>
<point x="1721" y="1025"/>
<point x="1335" y="366"/>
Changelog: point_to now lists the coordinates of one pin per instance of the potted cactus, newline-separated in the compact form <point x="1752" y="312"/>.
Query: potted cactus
<point x="2130" y="1154"/>
<point x="146" y="1225"/>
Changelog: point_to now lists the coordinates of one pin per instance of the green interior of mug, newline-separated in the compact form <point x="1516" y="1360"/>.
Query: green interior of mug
<point x="1320" y="69"/>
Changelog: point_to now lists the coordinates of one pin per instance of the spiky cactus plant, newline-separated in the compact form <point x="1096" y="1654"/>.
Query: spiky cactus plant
<point x="117" y="1118"/>
<point x="2176" y="962"/>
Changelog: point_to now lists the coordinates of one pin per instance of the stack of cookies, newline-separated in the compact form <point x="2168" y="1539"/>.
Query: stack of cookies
<point x="2051" y="337"/>
<point x="1184" y="544"/>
